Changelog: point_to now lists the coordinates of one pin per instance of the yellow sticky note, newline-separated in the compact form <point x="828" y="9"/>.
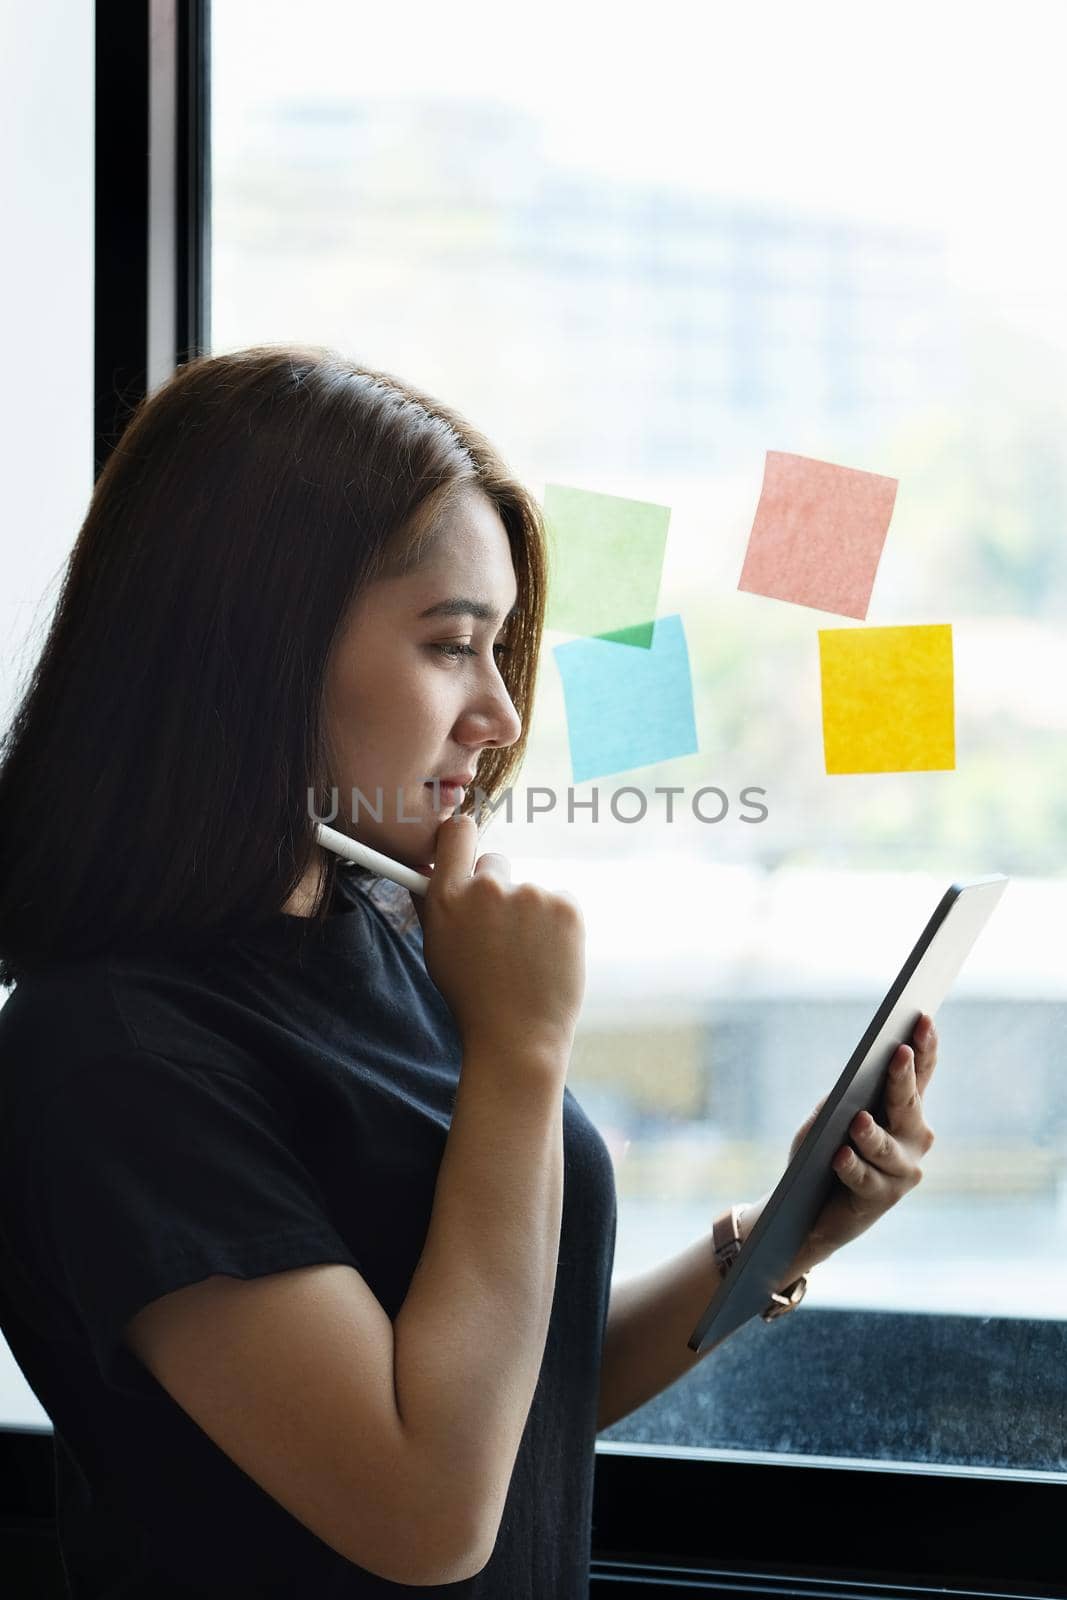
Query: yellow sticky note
<point x="887" y="699"/>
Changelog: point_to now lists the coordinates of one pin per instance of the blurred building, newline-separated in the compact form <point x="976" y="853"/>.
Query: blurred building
<point x="670" y="320"/>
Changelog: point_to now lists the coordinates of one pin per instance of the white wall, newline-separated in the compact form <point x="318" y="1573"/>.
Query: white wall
<point x="46" y="379"/>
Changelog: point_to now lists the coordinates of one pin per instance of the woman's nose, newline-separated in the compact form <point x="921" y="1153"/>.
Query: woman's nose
<point x="496" y="717"/>
<point x="512" y="722"/>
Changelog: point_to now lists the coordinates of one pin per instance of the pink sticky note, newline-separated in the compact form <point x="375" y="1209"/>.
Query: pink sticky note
<point x="818" y="534"/>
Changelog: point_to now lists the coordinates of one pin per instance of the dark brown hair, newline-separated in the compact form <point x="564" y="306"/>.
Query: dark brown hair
<point x="154" y="781"/>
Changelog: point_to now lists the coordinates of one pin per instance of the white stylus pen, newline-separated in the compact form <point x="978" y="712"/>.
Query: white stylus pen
<point x="385" y="866"/>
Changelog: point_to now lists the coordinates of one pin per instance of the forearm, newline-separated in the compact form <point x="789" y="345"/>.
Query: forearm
<point x="651" y="1318"/>
<point x="470" y="1336"/>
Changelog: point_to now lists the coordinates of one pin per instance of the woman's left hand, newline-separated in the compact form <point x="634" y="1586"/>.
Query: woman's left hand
<point x="888" y="1164"/>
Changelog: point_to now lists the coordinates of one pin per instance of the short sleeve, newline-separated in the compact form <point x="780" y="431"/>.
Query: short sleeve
<point x="146" y="1175"/>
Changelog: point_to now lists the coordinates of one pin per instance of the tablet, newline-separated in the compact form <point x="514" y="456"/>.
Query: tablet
<point x="789" y="1214"/>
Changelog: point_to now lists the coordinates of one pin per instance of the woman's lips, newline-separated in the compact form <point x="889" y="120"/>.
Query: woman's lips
<point x="451" y="793"/>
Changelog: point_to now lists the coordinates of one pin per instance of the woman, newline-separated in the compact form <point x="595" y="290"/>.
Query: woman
<point x="288" y="1255"/>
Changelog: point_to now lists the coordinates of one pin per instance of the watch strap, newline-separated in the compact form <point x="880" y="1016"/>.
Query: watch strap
<point x="726" y="1245"/>
<point x="726" y="1238"/>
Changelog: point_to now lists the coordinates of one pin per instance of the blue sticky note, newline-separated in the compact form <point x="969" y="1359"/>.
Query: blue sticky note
<point x="627" y="707"/>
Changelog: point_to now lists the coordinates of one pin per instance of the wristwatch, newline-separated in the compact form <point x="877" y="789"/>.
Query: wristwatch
<point x="726" y="1242"/>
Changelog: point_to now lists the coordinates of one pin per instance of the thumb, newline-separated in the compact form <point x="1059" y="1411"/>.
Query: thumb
<point x="805" y="1128"/>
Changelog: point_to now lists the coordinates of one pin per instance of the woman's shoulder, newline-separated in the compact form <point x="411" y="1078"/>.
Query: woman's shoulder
<point x="68" y="1013"/>
<point x="54" y="1023"/>
<point x="62" y="998"/>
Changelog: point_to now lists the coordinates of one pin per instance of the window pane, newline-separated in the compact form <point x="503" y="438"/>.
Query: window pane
<point x="46" y="87"/>
<point x="638" y="261"/>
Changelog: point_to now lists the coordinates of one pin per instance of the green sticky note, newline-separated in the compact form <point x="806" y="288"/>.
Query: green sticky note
<point x="605" y="563"/>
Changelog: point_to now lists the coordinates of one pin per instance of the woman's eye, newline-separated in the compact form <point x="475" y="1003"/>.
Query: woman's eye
<point x="455" y="650"/>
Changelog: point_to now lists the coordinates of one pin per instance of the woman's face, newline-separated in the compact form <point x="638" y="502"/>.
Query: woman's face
<point x="412" y="696"/>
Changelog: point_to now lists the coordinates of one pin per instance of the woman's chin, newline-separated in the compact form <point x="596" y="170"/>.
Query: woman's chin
<point x="413" y="847"/>
<point x="412" y="841"/>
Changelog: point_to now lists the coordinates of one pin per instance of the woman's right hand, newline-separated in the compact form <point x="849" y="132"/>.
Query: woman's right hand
<point x="508" y="958"/>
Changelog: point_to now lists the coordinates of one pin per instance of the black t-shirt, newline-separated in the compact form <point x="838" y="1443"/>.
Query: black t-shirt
<point x="249" y="1106"/>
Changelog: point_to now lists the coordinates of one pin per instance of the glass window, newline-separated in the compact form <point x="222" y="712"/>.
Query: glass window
<point x="47" y="85"/>
<point x="638" y="267"/>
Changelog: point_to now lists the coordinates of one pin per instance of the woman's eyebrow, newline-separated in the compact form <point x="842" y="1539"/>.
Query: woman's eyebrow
<point x="461" y="606"/>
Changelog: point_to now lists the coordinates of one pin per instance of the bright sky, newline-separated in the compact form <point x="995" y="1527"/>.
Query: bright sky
<point x="938" y="114"/>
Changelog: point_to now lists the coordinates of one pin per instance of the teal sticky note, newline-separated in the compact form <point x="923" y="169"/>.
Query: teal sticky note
<point x="627" y="708"/>
<point x="605" y="559"/>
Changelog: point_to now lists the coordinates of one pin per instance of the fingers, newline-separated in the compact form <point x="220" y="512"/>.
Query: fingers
<point x="924" y="1042"/>
<point x="454" y="848"/>
<point x="882" y="1158"/>
<point x="870" y="1188"/>
<point x="492" y="862"/>
<point x="886" y="1165"/>
<point x="903" y="1100"/>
